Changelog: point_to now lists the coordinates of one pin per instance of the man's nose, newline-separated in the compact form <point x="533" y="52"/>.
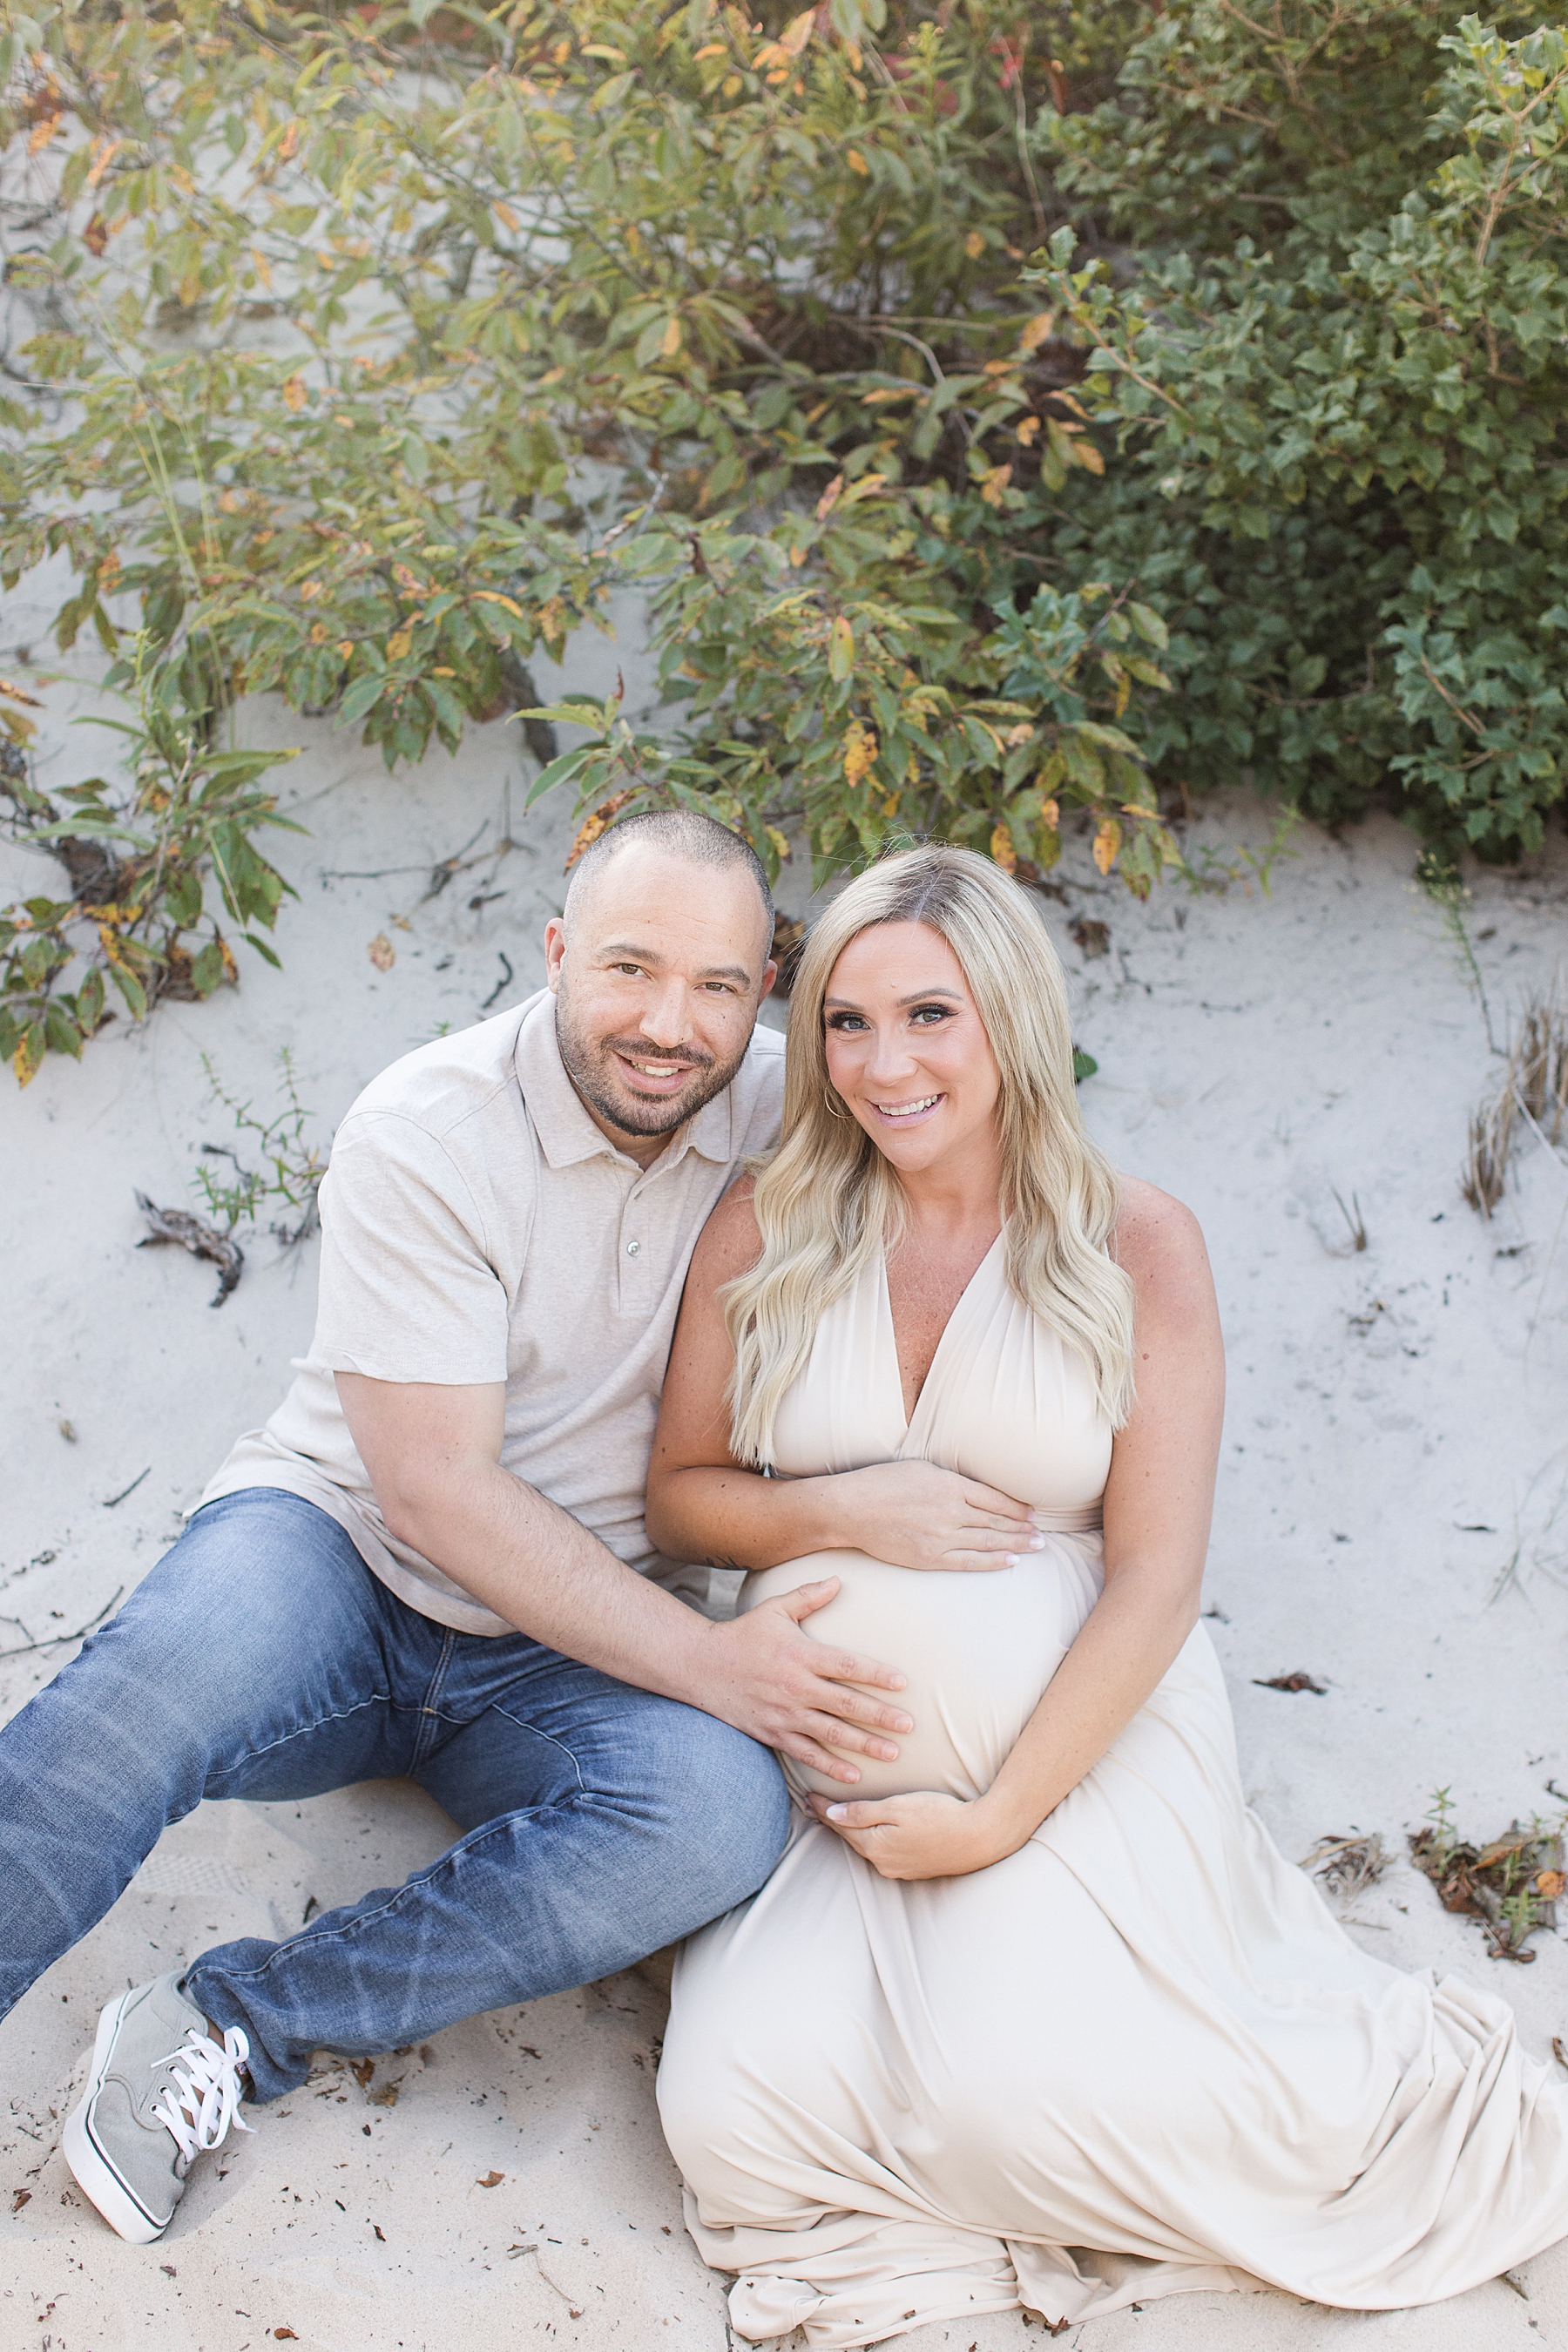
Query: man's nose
<point x="665" y="1023"/>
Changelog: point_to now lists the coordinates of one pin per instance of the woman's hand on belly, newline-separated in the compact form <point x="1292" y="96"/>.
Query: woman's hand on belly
<point x="917" y="1515"/>
<point x="923" y="1836"/>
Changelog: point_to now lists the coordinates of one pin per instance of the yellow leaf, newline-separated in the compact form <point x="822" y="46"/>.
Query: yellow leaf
<point x="778" y="840"/>
<point x="829" y="499"/>
<point x="294" y="393"/>
<point x="797" y="557"/>
<point x="288" y="142"/>
<point x="602" y="49"/>
<point x="730" y="85"/>
<point x="494" y="596"/>
<point x="1026" y="431"/>
<point x="397" y="645"/>
<point x="857" y="162"/>
<point x="1107" y="842"/>
<point x="1019" y="734"/>
<point x="345" y="646"/>
<point x="103" y="155"/>
<point x="1037" y="330"/>
<point x="671" y="340"/>
<point x="1050" y="815"/>
<point x="440" y="672"/>
<point x="320" y="633"/>
<point x="1086" y="455"/>
<point x="859" y="749"/>
<point x="974" y="245"/>
<point x="262" y="267"/>
<point x="504" y="213"/>
<point x="310" y="590"/>
<point x="30" y="1053"/>
<point x="1001" y="850"/>
<point x="42" y="134"/>
<point x="797" y="33"/>
<point x="14" y="694"/>
<point x="1123" y="692"/>
<point x="995" y="484"/>
<point x="710" y="49"/>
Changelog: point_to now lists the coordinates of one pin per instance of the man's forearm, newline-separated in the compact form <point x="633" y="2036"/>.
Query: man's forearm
<point x="737" y="1519"/>
<point x="540" y="1569"/>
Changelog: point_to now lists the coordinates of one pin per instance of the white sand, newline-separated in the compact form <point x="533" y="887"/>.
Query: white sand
<point x="1254" y="1056"/>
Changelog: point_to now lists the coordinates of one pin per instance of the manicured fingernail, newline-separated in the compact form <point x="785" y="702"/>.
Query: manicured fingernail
<point x="1036" y="1543"/>
<point x="836" y="1812"/>
<point x="1009" y="1560"/>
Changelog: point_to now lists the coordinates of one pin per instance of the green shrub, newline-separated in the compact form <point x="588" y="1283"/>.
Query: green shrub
<point x="375" y="351"/>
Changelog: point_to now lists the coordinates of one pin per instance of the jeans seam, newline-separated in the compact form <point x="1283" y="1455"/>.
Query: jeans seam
<point x="301" y="1731"/>
<point x="550" y="1740"/>
<point x="429" y="1706"/>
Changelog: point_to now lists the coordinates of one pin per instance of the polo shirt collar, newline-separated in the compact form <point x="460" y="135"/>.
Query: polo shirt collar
<point x="567" y="1135"/>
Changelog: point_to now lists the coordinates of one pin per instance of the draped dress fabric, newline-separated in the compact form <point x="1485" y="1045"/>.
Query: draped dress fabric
<point x="1135" y="2057"/>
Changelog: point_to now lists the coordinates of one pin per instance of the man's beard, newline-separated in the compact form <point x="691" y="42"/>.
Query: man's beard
<point x="588" y="1064"/>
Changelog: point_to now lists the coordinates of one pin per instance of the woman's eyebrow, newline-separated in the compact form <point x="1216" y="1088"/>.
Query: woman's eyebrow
<point x="919" y="996"/>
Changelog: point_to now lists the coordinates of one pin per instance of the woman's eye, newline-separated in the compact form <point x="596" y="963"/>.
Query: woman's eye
<point x="927" y="1014"/>
<point x="842" y="1022"/>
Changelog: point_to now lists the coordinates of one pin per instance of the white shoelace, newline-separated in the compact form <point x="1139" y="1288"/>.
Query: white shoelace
<point x="201" y="2100"/>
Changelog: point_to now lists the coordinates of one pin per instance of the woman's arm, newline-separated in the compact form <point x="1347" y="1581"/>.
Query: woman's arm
<point x="702" y="1504"/>
<point x="1158" y="1503"/>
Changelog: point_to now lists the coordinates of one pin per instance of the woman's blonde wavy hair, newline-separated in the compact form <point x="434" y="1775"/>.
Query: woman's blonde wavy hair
<point x="827" y="1201"/>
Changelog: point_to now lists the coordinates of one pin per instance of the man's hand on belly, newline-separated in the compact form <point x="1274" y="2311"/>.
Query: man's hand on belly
<point x="761" y="1675"/>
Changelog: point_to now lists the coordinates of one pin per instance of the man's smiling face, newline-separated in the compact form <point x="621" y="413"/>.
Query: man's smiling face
<point x="658" y="967"/>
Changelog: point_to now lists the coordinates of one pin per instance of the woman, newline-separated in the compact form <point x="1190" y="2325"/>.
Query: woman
<point x="1032" y="2011"/>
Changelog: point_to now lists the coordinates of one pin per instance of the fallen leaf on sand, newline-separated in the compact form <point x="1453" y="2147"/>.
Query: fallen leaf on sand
<point x="1296" y="1682"/>
<point x="493" y="2181"/>
<point x="380" y="2232"/>
<point x="362" y="2072"/>
<point x="285" y="2336"/>
<point x="23" y="2197"/>
<point x="386" y="2098"/>
<point x="1550" y="1885"/>
<point x="382" y="952"/>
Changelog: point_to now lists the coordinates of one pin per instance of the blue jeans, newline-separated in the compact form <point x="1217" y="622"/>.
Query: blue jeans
<point x="262" y="1658"/>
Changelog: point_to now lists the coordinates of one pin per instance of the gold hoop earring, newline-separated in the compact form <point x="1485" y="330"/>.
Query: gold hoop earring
<point x="834" y="1109"/>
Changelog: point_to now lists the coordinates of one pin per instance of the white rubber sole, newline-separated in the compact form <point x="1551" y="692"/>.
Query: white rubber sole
<point x="94" y="2176"/>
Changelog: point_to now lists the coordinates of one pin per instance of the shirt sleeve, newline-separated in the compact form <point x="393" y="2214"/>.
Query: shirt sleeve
<point x="407" y="1290"/>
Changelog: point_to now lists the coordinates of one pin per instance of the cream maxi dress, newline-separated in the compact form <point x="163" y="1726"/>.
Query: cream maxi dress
<point x="1137" y="2056"/>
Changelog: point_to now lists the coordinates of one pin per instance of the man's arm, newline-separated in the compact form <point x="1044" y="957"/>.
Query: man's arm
<point x="433" y="1455"/>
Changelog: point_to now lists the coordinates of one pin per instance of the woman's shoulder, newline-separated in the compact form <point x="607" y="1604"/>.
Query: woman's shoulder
<point x="1157" y="1237"/>
<point x="730" y="1242"/>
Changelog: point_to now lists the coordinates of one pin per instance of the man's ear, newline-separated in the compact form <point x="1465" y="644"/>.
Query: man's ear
<point x="554" y="952"/>
<point x="770" y="973"/>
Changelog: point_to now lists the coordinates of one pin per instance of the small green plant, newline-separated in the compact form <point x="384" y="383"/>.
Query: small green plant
<point x="1512" y="1885"/>
<point x="142" y="853"/>
<point x="291" y="1169"/>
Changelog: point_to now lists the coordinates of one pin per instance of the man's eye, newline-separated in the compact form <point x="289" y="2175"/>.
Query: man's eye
<point x="632" y="970"/>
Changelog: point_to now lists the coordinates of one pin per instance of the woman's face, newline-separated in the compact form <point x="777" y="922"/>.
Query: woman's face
<point x="907" y="1050"/>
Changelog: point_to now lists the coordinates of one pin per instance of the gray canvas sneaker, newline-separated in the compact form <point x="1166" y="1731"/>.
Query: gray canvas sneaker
<point x="160" y="2092"/>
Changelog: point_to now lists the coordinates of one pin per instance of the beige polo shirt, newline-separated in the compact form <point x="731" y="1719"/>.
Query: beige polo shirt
<point x="477" y="1226"/>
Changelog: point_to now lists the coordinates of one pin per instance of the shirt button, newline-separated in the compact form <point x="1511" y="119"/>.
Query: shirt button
<point x="632" y="1249"/>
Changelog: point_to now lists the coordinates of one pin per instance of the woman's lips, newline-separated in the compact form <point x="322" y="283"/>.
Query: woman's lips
<point x="908" y="1114"/>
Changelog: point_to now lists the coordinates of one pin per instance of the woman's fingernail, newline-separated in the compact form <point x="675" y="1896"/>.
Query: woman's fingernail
<point x="1036" y="1543"/>
<point x="836" y="1812"/>
<point x="1009" y="1560"/>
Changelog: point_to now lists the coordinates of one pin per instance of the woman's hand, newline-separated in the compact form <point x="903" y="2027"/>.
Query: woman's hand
<point x="924" y="1835"/>
<point x="917" y="1515"/>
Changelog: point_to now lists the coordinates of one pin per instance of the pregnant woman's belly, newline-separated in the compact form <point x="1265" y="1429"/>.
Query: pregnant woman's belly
<point x="977" y="1650"/>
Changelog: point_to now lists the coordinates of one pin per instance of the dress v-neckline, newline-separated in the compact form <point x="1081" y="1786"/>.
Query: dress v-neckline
<point x="959" y="1304"/>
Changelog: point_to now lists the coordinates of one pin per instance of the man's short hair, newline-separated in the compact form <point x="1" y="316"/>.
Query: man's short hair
<point x="682" y="832"/>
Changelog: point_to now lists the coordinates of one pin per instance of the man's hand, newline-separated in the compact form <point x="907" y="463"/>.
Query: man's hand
<point x="917" y="1515"/>
<point x="923" y="1836"/>
<point x="761" y="1675"/>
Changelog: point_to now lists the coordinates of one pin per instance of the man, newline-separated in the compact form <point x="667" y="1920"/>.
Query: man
<point x="432" y="1559"/>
